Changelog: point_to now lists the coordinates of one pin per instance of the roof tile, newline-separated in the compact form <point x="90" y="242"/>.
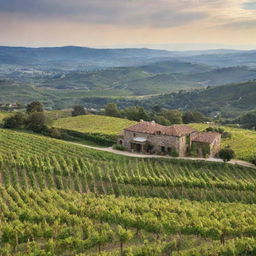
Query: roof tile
<point x="153" y="128"/>
<point x="205" y="137"/>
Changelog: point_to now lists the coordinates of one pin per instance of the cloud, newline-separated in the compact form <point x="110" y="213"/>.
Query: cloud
<point x="93" y="22"/>
<point x="160" y="13"/>
<point x="250" y="5"/>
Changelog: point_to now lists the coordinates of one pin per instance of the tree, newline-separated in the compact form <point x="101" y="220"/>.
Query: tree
<point x="226" y="154"/>
<point x="161" y="120"/>
<point x="111" y="109"/>
<point x="136" y="113"/>
<point x="193" y="117"/>
<point x="34" y="106"/>
<point x="37" y="122"/>
<point x="124" y="236"/>
<point x="17" y="120"/>
<point x="174" y="116"/>
<point x="78" y="111"/>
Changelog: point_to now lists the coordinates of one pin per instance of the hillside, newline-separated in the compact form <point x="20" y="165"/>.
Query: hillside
<point x="231" y="99"/>
<point x="75" y="58"/>
<point x="225" y="60"/>
<point x="153" y="78"/>
<point x="94" y="124"/>
<point x="3" y="115"/>
<point x="65" y="90"/>
<point x="62" y="199"/>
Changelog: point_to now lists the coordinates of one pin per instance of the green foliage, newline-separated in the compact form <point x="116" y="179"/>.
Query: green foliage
<point x="193" y="117"/>
<point x="136" y="113"/>
<point x="37" y="122"/>
<point x="247" y="120"/>
<point x="34" y="106"/>
<point x="174" y="153"/>
<point x="226" y="154"/>
<point x="198" y="148"/>
<point x="119" y="147"/>
<point x="253" y="160"/>
<point x="111" y="109"/>
<point x="17" y="120"/>
<point x="78" y="111"/>
<point x="97" y="138"/>
<point x="173" y="116"/>
<point x="61" y="199"/>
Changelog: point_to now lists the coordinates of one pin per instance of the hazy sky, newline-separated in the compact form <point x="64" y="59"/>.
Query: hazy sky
<point x="156" y="23"/>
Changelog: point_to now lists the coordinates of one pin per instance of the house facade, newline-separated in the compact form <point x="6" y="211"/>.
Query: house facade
<point x="176" y="140"/>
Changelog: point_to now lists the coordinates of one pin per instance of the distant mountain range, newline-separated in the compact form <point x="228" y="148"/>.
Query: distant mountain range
<point x="83" y="58"/>
<point x="64" y="76"/>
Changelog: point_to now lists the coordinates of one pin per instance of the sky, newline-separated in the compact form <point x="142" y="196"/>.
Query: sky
<point x="168" y="24"/>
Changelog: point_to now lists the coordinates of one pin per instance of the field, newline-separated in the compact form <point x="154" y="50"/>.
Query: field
<point x="62" y="199"/>
<point x="3" y="115"/>
<point x="243" y="141"/>
<point x="94" y="124"/>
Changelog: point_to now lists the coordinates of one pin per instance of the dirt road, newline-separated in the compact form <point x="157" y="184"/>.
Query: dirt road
<point x="130" y="154"/>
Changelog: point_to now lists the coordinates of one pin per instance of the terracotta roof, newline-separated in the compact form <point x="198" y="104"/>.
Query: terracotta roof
<point x="205" y="137"/>
<point x="153" y="128"/>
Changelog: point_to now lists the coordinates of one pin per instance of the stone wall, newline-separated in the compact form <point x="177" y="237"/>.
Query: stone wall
<point x="158" y="141"/>
<point x="215" y="147"/>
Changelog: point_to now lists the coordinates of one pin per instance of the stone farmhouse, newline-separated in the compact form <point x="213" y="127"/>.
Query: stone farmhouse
<point x="176" y="140"/>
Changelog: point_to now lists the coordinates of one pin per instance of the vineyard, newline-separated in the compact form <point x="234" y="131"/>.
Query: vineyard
<point x="243" y="141"/>
<point x="62" y="199"/>
<point x="94" y="124"/>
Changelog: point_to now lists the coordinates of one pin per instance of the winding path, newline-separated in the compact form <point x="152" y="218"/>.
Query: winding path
<point x="130" y="154"/>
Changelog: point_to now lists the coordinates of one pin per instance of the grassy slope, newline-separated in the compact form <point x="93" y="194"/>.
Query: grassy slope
<point x="243" y="141"/>
<point x="3" y="115"/>
<point x="94" y="124"/>
<point x="232" y="98"/>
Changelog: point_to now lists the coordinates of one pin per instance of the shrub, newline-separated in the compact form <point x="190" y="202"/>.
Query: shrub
<point x="253" y="160"/>
<point x="34" y="106"/>
<point x="118" y="147"/>
<point x="37" y="122"/>
<point x="174" y="153"/>
<point x="226" y="154"/>
<point x="55" y="133"/>
<point x="17" y="120"/>
<point x="78" y="111"/>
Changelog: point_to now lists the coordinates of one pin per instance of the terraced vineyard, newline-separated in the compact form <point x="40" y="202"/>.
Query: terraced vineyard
<point x="61" y="199"/>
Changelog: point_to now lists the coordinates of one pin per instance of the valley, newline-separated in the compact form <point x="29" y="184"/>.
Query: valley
<point x="65" y="190"/>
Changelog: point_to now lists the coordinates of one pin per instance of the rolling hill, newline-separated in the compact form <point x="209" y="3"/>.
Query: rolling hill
<point x="151" y="79"/>
<point x="76" y="58"/>
<point x="230" y="99"/>
<point x="94" y="124"/>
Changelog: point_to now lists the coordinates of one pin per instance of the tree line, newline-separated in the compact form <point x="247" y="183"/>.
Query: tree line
<point x="161" y="116"/>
